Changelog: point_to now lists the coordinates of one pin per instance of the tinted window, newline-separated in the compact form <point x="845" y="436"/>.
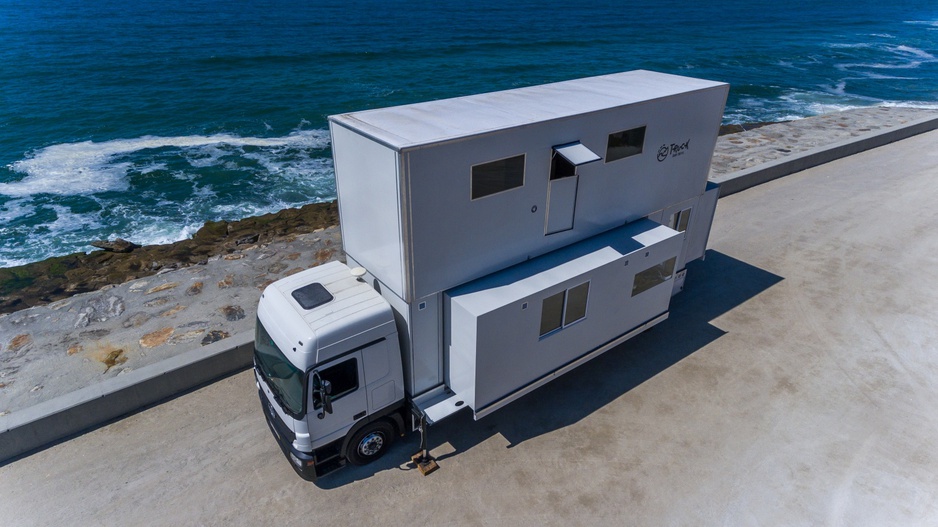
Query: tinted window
<point x="497" y="176"/>
<point x="624" y="144"/>
<point x="653" y="276"/>
<point x="564" y="308"/>
<point x="560" y="167"/>
<point x="552" y="313"/>
<point x="284" y="379"/>
<point x="576" y="303"/>
<point x="679" y="220"/>
<point x="344" y="379"/>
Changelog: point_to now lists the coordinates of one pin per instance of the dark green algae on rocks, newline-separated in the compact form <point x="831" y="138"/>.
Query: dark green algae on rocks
<point x="60" y="277"/>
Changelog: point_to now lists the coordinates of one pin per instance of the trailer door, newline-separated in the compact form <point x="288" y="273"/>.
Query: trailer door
<point x="564" y="180"/>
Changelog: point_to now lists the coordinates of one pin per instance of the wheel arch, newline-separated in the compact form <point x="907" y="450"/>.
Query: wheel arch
<point x="391" y="414"/>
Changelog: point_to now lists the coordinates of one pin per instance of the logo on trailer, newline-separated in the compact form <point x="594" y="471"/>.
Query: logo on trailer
<point x="673" y="150"/>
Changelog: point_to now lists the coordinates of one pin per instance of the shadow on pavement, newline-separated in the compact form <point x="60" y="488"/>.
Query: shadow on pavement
<point x="714" y="286"/>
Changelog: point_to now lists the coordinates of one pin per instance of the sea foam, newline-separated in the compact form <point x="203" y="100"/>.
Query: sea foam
<point x="88" y="167"/>
<point x="154" y="190"/>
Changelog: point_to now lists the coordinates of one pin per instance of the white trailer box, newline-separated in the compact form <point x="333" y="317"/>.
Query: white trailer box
<point x="436" y="194"/>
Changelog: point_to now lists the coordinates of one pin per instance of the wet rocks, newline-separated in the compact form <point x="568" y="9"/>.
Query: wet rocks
<point x="247" y="240"/>
<point x="156" y="302"/>
<point x="233" y="313"/>
<point x="324" y="255"/>
<point x="276" y="268"/>
<point x="113" y="358"/>
<point x="173" y="310"/>
<point x="94" y="334"/>
<point x="188" y="336"/>
<point x="232" y="280"/>
<point x="162" y="287"/>
<point x="136" y="320"/>
<point x="61" y="277"/>
<point x="214" y="336"/>
<point x="100" y="309"/>
<point x="20" y="342"/>
<point x="195" y="289"/>
<point x="117" y="245"/>
<point x="156" y="338"/>
<point x="24" y="320"/>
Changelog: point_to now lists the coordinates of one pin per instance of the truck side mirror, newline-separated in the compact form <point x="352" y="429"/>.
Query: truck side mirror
<point x="322" y="389"/>
<point x="326" y="396"/>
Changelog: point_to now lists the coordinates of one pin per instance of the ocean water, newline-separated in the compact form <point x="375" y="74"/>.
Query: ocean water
<point x="142" y="120"/>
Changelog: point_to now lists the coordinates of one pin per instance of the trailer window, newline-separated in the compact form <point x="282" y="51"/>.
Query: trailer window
<point x="344" y="379"/>
<point x="653" y="276"/>
<point x="564" y="308"/>
<point x="576" y="303"/>
<point x="552" y="313"/>
<point x="625" y="143"/>
<point x="679" y="220"/>
<point x="497" y="176"/>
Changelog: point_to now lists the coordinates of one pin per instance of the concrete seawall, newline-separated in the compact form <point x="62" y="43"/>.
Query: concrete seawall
<point x="740" y="180"/>
<point x="741" y="161"/>
<point x="94" y="405"/>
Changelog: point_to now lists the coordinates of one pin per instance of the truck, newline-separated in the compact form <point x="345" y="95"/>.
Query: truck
<point x="493" y="242"/>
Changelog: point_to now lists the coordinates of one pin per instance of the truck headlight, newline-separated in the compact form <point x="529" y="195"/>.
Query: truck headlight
<point x="295" y="460"/>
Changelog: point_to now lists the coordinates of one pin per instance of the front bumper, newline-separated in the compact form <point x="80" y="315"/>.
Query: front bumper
<point x="303" y="463"/>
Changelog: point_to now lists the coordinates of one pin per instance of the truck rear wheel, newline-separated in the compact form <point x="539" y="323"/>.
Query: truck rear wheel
<point x="370" y="443"/>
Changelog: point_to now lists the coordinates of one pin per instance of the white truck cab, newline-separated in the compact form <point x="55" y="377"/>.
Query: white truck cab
<point x="328" y="367"/>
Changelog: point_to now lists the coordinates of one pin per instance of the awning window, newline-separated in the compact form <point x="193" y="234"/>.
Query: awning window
<point x="577" y="154"/>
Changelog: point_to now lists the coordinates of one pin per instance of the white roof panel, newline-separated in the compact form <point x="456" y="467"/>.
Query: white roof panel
<point x="498" y="289"/>
<point x="577" y="154"/>
<point x="435" y="121"/>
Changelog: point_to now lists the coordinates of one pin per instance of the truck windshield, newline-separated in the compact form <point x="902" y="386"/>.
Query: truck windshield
<point x="284" y="379"/>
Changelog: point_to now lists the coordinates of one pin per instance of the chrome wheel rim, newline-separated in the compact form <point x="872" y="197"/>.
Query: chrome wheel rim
<point x="371" y="444"/>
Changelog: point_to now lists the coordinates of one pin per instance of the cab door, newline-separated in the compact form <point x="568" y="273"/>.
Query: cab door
<point x="349" y="401"/>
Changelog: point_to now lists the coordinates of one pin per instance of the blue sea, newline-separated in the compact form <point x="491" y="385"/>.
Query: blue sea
<point x="144" y="119"/>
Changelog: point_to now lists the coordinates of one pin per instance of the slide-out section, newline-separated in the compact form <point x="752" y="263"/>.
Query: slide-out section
<point x="505" y="332"/>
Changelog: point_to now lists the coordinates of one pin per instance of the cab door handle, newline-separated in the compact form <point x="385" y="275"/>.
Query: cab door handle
<point x="359" y="415"/>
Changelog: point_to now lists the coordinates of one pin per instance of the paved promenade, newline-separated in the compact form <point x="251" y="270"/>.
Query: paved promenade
<point x="794" y="383"/>
<point x="52" y="351"/>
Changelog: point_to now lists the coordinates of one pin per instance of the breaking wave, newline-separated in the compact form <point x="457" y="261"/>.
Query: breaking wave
<point x="154" y="190"/>
<point x="90" y="168"/>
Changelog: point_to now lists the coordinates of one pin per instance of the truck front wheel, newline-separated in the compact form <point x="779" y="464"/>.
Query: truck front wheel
<point x="370" y="443"/>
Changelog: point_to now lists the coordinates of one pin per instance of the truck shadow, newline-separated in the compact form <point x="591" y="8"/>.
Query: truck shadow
<point x="714" y="286"/>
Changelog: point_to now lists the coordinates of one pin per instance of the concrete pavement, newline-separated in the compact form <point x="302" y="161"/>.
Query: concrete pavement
<point x="793" y="384"/>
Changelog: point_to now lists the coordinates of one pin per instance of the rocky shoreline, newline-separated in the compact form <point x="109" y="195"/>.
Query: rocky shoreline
<point x="53" y="279"/>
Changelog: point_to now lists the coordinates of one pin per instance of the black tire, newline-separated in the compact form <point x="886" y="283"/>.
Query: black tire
<point x="370" y="443"/>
